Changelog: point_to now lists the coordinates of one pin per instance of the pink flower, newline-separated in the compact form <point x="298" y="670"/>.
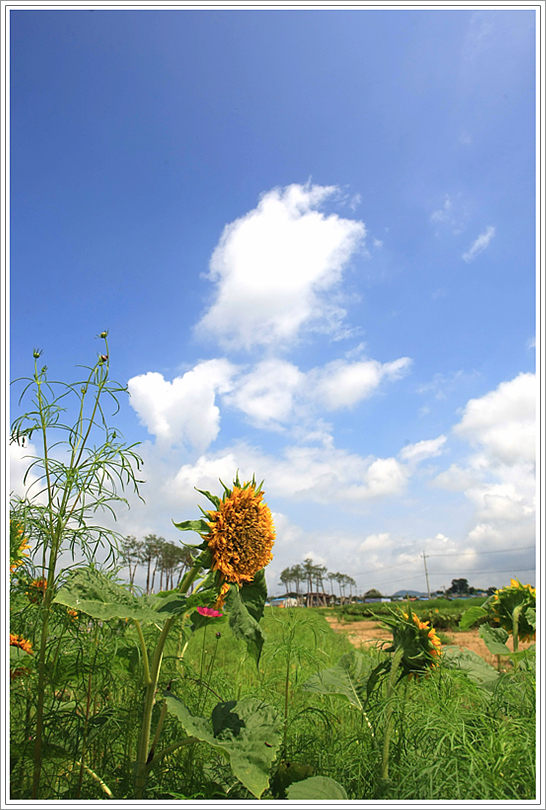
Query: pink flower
<point x="205" y="611"/>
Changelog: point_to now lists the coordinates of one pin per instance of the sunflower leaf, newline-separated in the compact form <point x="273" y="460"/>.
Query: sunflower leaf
<point x="92" y="592"/>
<point x="247" y="731"/>
<point x="254" y="595"/>
<point x="200" y="526"/>
<point x="243" y="624"/>
<point x="494" y="639"/>
<point x="343" y="680"/>
<point x="316" y="787"/>
<point x="471" y="616"/>
<point x="472" y="665"/>
<point x="214" y="499"/>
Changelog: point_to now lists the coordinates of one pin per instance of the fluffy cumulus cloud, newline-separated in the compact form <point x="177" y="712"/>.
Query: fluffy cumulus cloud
<point x="499" y="478"/>
<point x="327" y="475"/>
<point x="266" y="393"/>
<point x="275" y="268"/>
<point x="503" y="421"/>
<point x="182" y="411"/>
<point x="342" y="385"/>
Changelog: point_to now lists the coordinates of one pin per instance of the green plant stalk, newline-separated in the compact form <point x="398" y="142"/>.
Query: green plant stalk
<point x="56" y="530"/>
<point x="389" y="719"/>
<point x="142" y="766"/>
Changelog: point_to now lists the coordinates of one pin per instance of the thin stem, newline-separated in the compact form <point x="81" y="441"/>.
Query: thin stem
<point x="142" y="756"/>
<point x="147" y="679"/>
<point x="389" y="719"/>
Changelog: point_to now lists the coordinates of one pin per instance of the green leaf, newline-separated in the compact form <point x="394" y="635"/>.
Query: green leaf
<point x="478" y="670"/>
<point x="243" y="624"/>
<point x="90" y="591"/>
<point x="200" y="526"/>
<point x="494" y="638"/>
<point x="471" y="616"/>
<point x="247" y="731"/>
<point x="316" y="787"/>
<point x="287" y="773"/>
<point x="254" y="595"/>
<point x="342" y="680"/>
<point x="531" y="616"/>
<point x="214" y="499"/>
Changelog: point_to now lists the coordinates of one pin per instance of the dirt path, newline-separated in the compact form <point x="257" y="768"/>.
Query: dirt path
<point x="368" y="633"/>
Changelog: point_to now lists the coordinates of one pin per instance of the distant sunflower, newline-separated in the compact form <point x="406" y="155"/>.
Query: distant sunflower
<point x="241" y="535"/>
<point x="419" y="641"/>
<point x="504" y="602"/>
<point x="19" y="544"/>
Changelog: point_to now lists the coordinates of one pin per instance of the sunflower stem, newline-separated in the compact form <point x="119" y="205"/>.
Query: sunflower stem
<point x="142" y="765"/>
<point x="389" y="718"/>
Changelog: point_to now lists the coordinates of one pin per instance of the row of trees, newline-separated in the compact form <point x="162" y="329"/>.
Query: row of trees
<point x="313" y="577"/>
<point x="162" y="559"/>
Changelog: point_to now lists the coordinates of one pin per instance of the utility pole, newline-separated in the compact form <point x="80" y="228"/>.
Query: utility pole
<point x="426" y="573"/>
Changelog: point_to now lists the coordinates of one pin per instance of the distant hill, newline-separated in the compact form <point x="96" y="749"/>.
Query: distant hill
<point x="409" y="593"/>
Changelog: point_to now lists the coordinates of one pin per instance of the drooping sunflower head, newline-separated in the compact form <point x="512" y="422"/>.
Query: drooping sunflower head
<point x="18" y="544"/>
<point x="419" y="641"/>
<point x="241" y="533"/>
<point x="504" y="603"/>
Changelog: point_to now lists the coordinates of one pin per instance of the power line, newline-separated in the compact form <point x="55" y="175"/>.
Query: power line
<point x="500" y="551"/>
<point x="446" y="574"/>
<point x="454" y="554"/>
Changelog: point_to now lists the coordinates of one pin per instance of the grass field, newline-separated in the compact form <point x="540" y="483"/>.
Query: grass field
<point x="452" y="739"/>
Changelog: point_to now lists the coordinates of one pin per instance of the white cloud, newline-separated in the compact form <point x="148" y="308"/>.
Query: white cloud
<point x="421" y="450"/>
<point x="455" y="478"/>
<point x="499" y="478"/>
<point x="479" y="244"/>
<point x="342" y="385"/>
<point x="503" y="421"/>
<point x="376" y="541"/>
<point x="452" y="213"/>
<point x="273" y="267"/>
<point x="20" y="458"/>
<point x="182" y="411"/>
<point x="266" y="393"/>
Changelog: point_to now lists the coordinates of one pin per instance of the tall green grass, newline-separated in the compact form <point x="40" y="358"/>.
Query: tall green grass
<point x="452" y="741"/>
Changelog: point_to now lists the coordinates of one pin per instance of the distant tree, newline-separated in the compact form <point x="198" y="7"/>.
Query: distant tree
<point x="131" y="549"/>
<point x="285" y="579"/>
<point x="458" y="586"/>
<point x="149" y="553"/>
<point x="308" y="572"/>
<point x="373" y="593"/>
<point x="297" y="574"/>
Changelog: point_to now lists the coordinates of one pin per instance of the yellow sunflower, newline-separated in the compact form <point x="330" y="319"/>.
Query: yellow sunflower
<point x="505" y="601"/>
<point x="241" y="535"/>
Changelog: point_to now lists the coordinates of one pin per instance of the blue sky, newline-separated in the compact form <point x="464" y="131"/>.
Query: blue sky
<point x="311" y="236"/>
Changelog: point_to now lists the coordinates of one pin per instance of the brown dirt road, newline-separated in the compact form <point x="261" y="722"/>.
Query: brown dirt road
<point x="368" y="633"/>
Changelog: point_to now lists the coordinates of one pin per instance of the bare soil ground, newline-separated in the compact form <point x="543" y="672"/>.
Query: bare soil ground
<point x="369" y="633"/>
